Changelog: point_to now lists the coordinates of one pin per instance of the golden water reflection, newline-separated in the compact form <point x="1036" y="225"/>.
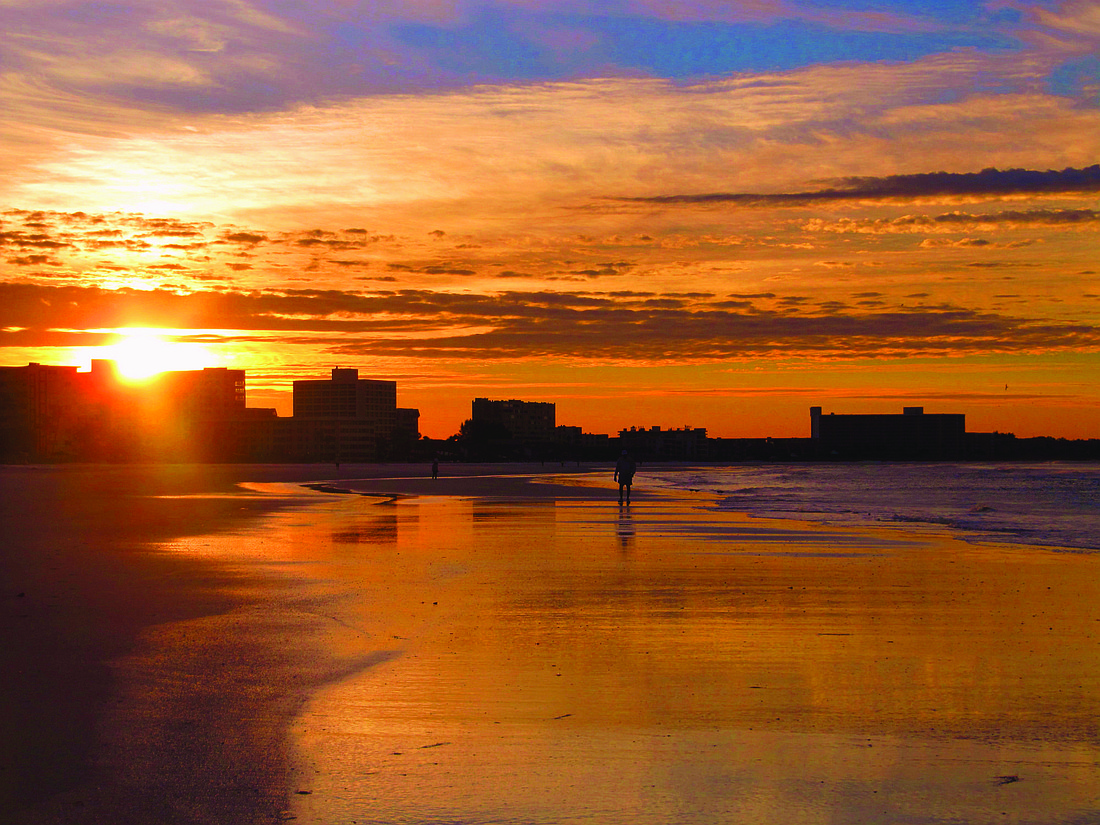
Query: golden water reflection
<point x="564" y="661"/>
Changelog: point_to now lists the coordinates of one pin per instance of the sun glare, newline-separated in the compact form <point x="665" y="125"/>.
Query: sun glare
<point x="141" y="353"/>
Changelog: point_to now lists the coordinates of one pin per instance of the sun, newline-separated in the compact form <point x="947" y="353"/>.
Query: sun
<point x="141" y="353"/>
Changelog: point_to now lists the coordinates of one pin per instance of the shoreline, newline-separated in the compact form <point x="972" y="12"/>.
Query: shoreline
<point x="182" y="628"/>
<point x="559" y="659"/>
<point x="86" y="585"/>
<point x="88" y="589"/>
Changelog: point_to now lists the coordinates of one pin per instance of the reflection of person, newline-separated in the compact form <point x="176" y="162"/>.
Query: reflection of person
<point x="435" y="468"/>
<point x="624" y="474"/>
<point x="626" y="530"/>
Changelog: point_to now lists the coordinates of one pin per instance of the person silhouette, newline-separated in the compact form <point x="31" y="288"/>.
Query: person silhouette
<point x="435" y="468"/>
<point x="624" y="474"/>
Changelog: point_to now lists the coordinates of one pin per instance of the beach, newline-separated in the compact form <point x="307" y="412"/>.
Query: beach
<point x="508" y="644"/>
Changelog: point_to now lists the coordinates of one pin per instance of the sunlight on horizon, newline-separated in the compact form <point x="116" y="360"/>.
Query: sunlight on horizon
<point x="142" y="353"/>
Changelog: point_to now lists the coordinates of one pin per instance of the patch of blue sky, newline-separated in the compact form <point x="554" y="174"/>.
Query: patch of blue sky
<point x="491" y="46"/>
<point x="495" y="44"/>
<point x="682" y="51"/>
<point x="948" y="12"/>
<point x="1079" y="79"/>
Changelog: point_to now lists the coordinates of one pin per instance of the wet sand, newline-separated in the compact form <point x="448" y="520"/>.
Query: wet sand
<point x="145" y="680"/>
<point x="498" y="650"/>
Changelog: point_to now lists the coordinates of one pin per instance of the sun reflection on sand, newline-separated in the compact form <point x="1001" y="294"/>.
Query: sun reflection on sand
<point x="560" y="661"/>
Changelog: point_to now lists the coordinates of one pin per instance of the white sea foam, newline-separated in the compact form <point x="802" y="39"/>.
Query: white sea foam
<point x="1054" y="504"/>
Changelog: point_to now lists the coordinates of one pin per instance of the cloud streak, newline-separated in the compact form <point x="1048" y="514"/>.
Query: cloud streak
<point x="988" y="184"/>
<point x="963" y="221"/>
<point x="525" y="325"/>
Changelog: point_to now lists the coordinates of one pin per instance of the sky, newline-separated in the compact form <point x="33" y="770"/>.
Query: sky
<point x="703" y="213"/>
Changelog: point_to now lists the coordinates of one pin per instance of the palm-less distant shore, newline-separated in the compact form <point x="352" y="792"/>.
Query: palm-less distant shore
<point x="488" y="648"/>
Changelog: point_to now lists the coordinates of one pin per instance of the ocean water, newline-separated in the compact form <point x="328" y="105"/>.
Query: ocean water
<point x="1046" y="504"/>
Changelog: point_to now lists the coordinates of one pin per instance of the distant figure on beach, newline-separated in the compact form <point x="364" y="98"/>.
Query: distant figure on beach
<point x="624" y="474"/>
<point x="435" y="468"/>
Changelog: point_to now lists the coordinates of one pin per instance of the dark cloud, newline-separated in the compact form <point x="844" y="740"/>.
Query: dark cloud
<point x="186" y="247"/>
<point x="534" y="324"/>
<point x="129" y="244"/>
<point x="433" y="269"/>
<point x="34" y="260"/>
<point x="961" y="243"/>
<point x="22" y="240"/>
<point x="443" y="270"/>
<point x="605" y="270"/>
<point x="328" y="243"/>
<point x="162" y="228"/>
<point x="663" y="336"/>
<point x="988" y="183"/>
<point x="249" y="238"/>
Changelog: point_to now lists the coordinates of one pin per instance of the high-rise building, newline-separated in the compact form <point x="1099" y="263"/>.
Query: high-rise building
<point x="41" y="411"/>
<point x="346" y="395"/>
<point x="211" y="393"/>
<point x="344" y="418"/>
<point x="526" y="422"/>
<point x="56" y="413"/>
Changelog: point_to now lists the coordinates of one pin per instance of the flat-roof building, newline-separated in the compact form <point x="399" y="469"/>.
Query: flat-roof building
<point x="40" y="412"/>
<point x="344" y="418"/>
<point x="527" y="422"/>
<point x="911" y="435"/>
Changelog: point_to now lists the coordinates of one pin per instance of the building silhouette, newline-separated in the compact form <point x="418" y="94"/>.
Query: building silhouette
<point x="345" y="418"/>
<point x="529" y="422"/>
<point x="911" y="435"/>
<point x="59" y="413"/>
<point x="509" y="430"/>
<point x="40" y="412"/>
<point x="655" y="444"/>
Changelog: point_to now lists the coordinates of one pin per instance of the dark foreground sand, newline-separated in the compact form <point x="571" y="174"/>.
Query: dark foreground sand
<point x="143" y="686"/>
<point x="489" y="649"/>
<point x="82" y="581"/>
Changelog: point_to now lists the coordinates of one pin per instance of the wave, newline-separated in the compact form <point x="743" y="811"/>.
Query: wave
<point x="1053" y="505"/>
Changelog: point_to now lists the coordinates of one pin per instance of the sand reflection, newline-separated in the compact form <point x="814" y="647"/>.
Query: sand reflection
<point x="563" y="661"/>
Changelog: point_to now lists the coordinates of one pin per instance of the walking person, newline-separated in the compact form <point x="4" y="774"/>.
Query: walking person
<point x="625" y="468"/>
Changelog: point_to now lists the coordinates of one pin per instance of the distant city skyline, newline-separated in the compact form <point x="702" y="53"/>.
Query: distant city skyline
<point x="58" y="414"/>
<point x="327" y="395"/>
<point x="648" y="212"/>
